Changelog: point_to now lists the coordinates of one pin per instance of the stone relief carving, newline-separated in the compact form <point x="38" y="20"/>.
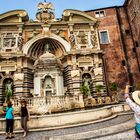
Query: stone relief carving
<point x="98" y="71"/>
<point x="85" y="61"/>
<point x="82" y="38"/>
<point x="19" y="77"/>
<point x="93" y="38"/>
<point x="10" y="40"/>
<point x="7" y="62"/>
<point x="75" y="73"/>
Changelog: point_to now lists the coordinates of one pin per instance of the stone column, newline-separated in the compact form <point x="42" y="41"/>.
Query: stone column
<point x="18" y="84"/>
<point x="37" y="86"/>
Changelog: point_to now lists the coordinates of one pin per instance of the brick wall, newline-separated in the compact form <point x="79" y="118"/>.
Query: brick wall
<point x="119" y="56"/>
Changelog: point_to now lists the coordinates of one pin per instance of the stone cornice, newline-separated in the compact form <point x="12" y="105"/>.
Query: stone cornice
<point x="19" y="13"/>
<point x="10" y="55"/>
<point x="11" y="23"/>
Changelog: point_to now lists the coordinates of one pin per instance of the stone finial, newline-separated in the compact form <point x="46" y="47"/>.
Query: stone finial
<point x="45" y="12"/>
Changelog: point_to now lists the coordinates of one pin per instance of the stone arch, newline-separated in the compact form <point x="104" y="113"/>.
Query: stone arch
<point x="63" y="44"/>
<point x="48" y="75"/>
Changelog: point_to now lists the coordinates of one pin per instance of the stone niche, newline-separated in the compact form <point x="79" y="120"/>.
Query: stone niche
<point x="48" y="79"/>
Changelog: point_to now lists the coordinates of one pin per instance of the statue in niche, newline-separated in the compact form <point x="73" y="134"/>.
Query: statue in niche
<point x="87" y="84"/>
<point x="9" y="86"/>
<point x="72" y="39"/>
<point x="20" y="42"/>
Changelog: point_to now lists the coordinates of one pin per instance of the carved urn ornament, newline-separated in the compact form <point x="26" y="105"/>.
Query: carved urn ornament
<point x="45" y="12"/>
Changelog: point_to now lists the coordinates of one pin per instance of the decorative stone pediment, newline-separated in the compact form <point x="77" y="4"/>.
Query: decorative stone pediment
<point x="76" y="15"/>
<point x="14" y="16"/>
<point x="98" y="71"/>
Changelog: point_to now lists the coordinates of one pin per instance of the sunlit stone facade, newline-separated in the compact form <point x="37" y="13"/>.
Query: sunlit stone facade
<point x="49" y="56"/>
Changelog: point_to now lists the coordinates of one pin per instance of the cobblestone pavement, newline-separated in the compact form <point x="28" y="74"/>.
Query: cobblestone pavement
<point x="48" y="135"/>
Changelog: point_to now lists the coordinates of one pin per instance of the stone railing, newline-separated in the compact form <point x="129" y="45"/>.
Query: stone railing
<point x="101" y="101"/>
<point x="44" y="105"/>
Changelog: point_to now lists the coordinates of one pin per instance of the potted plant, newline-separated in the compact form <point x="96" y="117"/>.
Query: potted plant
<point x="113" y="87"/>
<point x="99" y="88"/>
<point x="113" y="90"/>
<point x="85" y="91"/>
<point x="8" y="95"/>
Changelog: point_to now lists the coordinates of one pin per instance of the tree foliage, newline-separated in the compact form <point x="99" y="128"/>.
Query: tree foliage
<point x="113" y="86"/>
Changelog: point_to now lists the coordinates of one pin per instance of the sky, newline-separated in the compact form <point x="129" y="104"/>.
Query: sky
<point x="31" y="5"/>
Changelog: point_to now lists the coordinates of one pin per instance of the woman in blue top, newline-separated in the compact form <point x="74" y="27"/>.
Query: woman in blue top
<point x="9" y="120"/>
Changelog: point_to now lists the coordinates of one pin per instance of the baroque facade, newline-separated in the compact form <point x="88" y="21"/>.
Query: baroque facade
<point x="49" y="56"/>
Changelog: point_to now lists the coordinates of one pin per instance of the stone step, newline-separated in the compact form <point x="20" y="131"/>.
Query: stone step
<point x="108" y="129"/>
<point x="102" y="133"/>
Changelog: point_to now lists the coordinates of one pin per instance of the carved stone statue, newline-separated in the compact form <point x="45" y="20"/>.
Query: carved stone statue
<point x="87" y="84"/>
<point x="9" y="86"/>
<point x="72" y="40"/>
<point x="45" y="11"/>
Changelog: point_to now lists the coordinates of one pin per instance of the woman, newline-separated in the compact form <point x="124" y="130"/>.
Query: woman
<point x="9" y="120"/>
<point x="134" y="103"/>
<point x="25" y="116"/>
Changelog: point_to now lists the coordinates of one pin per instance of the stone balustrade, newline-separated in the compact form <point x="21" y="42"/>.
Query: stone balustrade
<point x="69" y="119"/>
<point x="44" y="105"/>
